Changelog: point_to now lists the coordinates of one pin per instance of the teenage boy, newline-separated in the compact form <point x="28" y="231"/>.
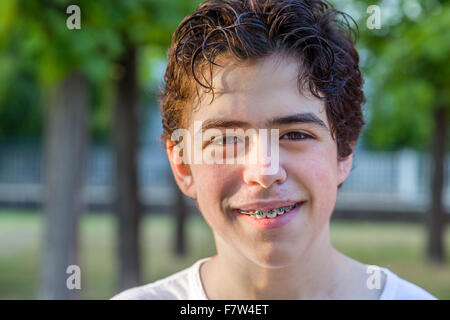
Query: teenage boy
<point x="287" y="67"/>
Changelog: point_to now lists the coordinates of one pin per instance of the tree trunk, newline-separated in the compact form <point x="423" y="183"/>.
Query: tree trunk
<point x="127" y="206"/>
<point x="64" y="165"/>
<point x="436" y="218"/>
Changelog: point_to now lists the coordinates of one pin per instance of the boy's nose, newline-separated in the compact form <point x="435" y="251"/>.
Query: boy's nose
<point x="263" y="166"/>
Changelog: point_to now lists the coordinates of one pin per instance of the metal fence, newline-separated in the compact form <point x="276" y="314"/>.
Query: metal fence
<point x="387" y="181"/>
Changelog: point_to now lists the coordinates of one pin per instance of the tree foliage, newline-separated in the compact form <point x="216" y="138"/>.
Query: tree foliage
<point x="408" y="72"/>
<point x="37" y="50"/>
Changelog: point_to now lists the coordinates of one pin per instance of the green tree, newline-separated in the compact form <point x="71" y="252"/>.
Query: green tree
<point x="65" y="61"/>
<point x="408" y="66"/>
<point x="66" y="64"/>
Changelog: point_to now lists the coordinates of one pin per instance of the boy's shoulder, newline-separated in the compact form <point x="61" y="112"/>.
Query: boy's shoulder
<point x="397" y="288"/>
<point x="183" y="285"/>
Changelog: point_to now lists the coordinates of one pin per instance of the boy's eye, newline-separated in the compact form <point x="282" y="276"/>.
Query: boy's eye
<point x="225" y="140"/>
<point x="296" y="135"/>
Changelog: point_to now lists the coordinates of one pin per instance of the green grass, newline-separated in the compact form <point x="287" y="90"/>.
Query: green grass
<point x="397" y="246"/>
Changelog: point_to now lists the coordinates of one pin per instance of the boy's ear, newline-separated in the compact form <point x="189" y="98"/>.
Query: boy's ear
<point x="180" y="169"/>
<point x="345" y="165"/>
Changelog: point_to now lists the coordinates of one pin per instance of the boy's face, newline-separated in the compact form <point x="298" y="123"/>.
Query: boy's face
<point x="308" y="173"/>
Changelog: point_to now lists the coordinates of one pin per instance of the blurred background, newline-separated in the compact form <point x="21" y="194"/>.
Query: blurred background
<point x="84" y="181"/>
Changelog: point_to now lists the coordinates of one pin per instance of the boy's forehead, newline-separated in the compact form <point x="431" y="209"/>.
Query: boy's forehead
<point x="244" y="76"/>
<point x="257" y="91"/>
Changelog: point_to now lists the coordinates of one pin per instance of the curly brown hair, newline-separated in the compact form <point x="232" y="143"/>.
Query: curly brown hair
<point x="312" y="31"/>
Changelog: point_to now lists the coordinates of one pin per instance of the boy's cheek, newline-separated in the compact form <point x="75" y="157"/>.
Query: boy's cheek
<point x="318" y="178"/>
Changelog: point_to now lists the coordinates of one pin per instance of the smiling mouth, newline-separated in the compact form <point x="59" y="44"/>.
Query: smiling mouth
<point x="271" y="213"/>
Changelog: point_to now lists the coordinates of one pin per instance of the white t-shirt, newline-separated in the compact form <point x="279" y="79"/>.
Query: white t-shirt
<point x="186" y="285"/>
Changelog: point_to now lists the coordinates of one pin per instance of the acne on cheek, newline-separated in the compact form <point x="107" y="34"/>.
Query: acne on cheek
<point x="320" y="180"/>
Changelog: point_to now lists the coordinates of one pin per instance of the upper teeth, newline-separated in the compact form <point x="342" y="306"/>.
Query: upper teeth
<point x="272" y="213"/>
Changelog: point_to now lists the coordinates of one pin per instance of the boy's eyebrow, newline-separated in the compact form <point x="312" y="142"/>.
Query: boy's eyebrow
<point x="305" y="117"/>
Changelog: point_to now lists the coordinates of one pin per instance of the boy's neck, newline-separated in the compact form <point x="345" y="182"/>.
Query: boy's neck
<point x="319" y="273"/>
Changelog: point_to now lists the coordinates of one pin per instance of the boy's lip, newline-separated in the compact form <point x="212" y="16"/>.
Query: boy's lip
<point x="266" y="205"/>
<point x="274" y="222"/>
